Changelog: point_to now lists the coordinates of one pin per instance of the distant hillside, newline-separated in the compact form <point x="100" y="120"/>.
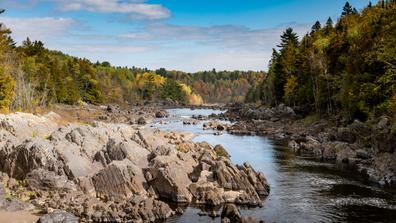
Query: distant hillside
<point x="218" y="86"/>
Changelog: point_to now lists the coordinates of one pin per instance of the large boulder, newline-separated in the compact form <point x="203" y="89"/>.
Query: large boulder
<point x="171" y="182"/>
<point x="49" y="181"/>
<point x="24" y="125"/>
<point x="221" y="151"/>
<point x="208" y="194"/>
<point x="243" y="178"/>
<point x="231" y="212"/>
<point x="32" y="154"/>
<point x="149" y="210"/>
<point x="283" y="111"/>
<point x="58" y="217"/>
<point x="119" y="180"/>
<point x="161" y="114"/>
<point x="345" y="134"/>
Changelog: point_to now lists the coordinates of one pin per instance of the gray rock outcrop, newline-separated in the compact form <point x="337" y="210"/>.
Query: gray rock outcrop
<point x="117" y="172"/>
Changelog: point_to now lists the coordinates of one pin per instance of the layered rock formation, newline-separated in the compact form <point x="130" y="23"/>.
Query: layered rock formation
<point x="118" y="172"/>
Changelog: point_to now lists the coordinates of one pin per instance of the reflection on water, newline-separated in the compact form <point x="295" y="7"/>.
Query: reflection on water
<point x="302" y="189"/>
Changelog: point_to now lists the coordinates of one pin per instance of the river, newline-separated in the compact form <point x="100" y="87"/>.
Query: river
<point x="302" y="189"/>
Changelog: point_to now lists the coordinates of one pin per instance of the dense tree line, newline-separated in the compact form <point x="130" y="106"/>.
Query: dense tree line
<point x="31" y="75"/>
<point x="217" y="86"/>
<point x="346" y="68"/>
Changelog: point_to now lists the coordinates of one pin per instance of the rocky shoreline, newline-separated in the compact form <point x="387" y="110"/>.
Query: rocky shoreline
<point x="105" y="166"/>
<point x="369" y="147"/>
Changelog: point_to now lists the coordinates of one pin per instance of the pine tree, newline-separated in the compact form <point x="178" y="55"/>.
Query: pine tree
<point x="289" y="37"/>
<point x="347" y="10"/>
<point x="329" y="23"/>
<point x="316" y="27"/>
<point x="329" y="26"/>
<point x="370" y="5"/>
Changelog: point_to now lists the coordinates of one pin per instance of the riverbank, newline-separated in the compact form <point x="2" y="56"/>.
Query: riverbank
<point x="100" y="163"/>
<point x="370" y="146"/>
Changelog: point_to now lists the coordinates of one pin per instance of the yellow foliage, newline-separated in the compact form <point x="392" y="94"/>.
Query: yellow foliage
<point x="194" y="99"/>
<point x="7" y="86"/>
<point x="186" y="89"/>
<point x="393" y="105"/>
<point x="322" y="43"/>
<point x="143" y="78"/>
<point x="290" y="86"/>
<point x="354" y="32"/>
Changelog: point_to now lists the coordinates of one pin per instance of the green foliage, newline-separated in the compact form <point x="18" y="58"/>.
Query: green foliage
<point x="173" y="90"/>
<point x="7" y="85"/>
<point x="348" y="69"/>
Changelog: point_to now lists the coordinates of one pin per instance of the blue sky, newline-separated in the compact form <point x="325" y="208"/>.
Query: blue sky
<point x="188" y="35"/>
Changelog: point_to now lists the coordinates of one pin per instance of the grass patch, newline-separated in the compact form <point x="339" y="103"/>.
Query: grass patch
<point x="311" y="119"/>
<point x="34" y="133"/>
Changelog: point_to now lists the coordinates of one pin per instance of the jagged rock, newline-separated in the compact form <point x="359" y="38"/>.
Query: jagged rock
<point x="311" y="144"/>
<point x="363" y="154"/>
<point x="383" y="122"/>
<point x="225" y="220"/>
<point x="231" y="212"/>
<point x="221" y="151"/>
<point x="190" y="122"/>
<point x="384" y="140"/>
<point x="384" y="169"/>
<point x="48" y="180"/>
<point x="214" y="125"/>
<point x="161" y="114"/>
<point x="150" y="210"/>
<point x="344" y="152"/>
<point x="207" y="194"/>
<point x="253" y="185"/>
<point x="283" y="111"/>
<point x="8" y="203"/>
<point x="86" y="185"/>
<point x="329" y="151"/>
<point x="141" y="121"/>
<point x="171" y="182"/>
<point x="31" y="154"/>
<point x="119" y="180"/>
<point x="58" y="217"/>
<point x="294" y="145"/>
<point x="346" y="135"/>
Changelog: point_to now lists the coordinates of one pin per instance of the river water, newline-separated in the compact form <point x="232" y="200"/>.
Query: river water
<point x="302" y="188"/>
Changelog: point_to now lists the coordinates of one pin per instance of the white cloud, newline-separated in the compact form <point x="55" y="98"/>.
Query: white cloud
<point x="107" y="49"/>
<point x="135" y="9"/>
<point x="192" y="48"/>
<point x="155" y="45"/>
<point x="38" y="28"/>
<point x="220" y="60"/>
<point x="226" y="37"/>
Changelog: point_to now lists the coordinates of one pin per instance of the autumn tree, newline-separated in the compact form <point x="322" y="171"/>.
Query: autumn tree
<point x="347" y="69"/>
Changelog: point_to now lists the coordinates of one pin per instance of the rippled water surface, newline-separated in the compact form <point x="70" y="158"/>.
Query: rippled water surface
<point x="302" y="189"/>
